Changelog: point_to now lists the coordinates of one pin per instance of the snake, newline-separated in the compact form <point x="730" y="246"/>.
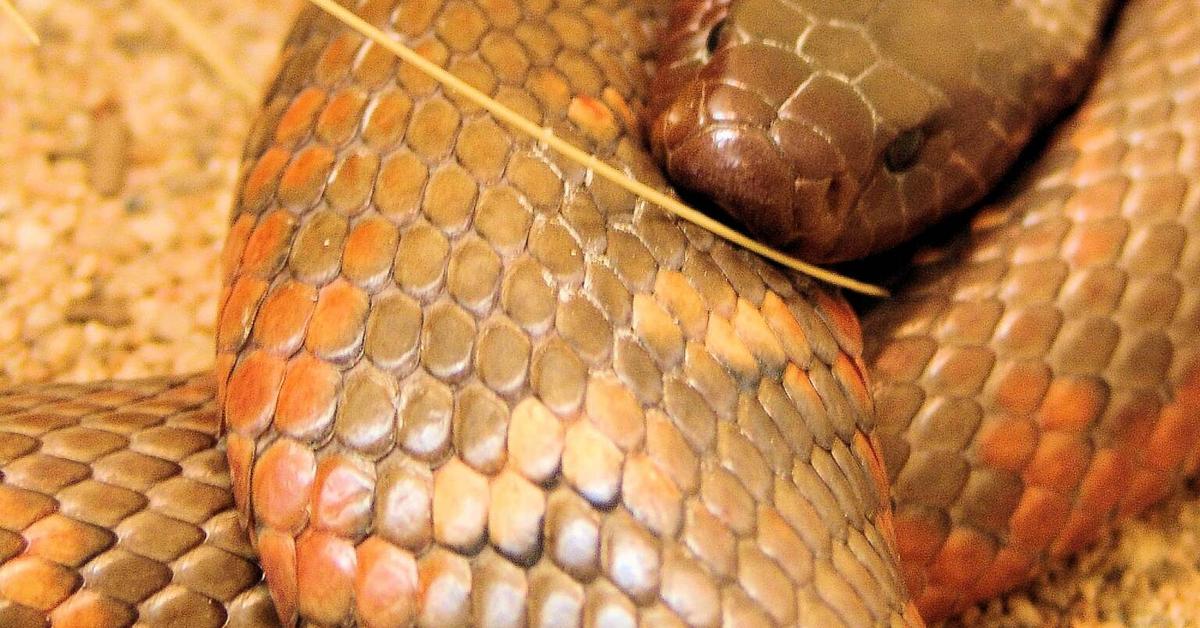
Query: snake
<point x="460" y="380"/>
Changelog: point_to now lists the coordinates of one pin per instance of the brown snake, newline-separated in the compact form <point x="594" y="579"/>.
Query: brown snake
<point x="463" y="382"/>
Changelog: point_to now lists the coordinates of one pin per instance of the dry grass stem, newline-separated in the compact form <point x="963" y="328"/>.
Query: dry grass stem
<point x="198" y="39"/>
<point x="8" y="9"/>
<point x="586" y="159"/>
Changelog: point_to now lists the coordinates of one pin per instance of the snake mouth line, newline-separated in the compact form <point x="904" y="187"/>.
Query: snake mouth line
<point x="461" y="381"/>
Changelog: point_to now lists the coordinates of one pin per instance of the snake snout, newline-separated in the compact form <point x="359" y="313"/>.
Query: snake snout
<point x="782" y="181"/>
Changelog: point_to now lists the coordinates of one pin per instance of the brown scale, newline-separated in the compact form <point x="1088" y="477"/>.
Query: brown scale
<point x="838" y="129"/>
<point x="461" y="386"/>
<point x="1037" y="380"/>
<point x="115" y="507"/>
<point x="1035" y="377"/>
<point x="464" y="383"/>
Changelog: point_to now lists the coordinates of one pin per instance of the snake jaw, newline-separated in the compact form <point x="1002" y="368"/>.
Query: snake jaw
<point x="784" y="181"/>
<point x="544" y="405"/>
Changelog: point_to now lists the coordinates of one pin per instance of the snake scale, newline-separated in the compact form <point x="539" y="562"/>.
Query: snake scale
<point x="461" y="381"/>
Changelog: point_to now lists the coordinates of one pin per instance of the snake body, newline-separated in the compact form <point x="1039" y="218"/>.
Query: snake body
<point x="1035" y="377"/>
<point x="463" y="382"/>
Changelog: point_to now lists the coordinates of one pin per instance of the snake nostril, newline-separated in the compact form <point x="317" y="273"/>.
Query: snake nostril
<point x="714" y="36"/>
<point x="902" y="153"/>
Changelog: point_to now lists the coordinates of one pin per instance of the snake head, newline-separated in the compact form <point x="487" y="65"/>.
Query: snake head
<point x="832" y="130"/>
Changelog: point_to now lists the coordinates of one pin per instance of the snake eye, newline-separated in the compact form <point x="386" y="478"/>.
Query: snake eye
<point x="902" y="153"/>
<point x="714" y="36"/>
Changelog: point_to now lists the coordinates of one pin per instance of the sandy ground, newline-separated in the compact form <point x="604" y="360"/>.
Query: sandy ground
<point x="118" y="150"/>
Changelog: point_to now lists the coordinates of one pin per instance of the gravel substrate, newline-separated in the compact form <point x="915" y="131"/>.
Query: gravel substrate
<point x="118" y="150"/>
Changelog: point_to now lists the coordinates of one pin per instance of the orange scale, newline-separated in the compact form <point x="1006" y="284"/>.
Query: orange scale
<point x="1039" y="515"/>
<point x="444" y="590"/>
<point x="461" y="500"/>
<point x="651" y="496"/>
<point x="616" y="412"/>
<point x="1081" y="529"/>
<point x="282" y="479"/>
<point x="283" y="317"/>
<point x="325" y="569"/>
<point x="334" y="62"/>
<point x="1095" y="243"/>
<point x="386" y="584"/>
<point x="267" y="247"/>
<point x="683" y="301"/>
<point x="722" y="342"/>
<point x="1059" y="462"/>
<point x="902" y="359"/>
<point x="959" y="371"/>
<point x="1095" y="132"/>
<point x="938" y="601"/>
<point x="594" y="118"/>
<point x="251" y="393"/>
<point x="535" y="440"/>
<point x="869" y="449"/>
<point x="1009" y="568"/>
<point x="914" y="578"/>
<point x="302" y="181"/>
<point x="1006" y="444"/>
<point x="237" y="313"/>
<point x="387" y="118"/>
<point x="372" y="65"/>
<point x="336" y="327"/>
<point x="1020" y="387"/>
<point x="340" y="117"/>
<point x="1105" y="482"/>
<point x="261" y="182"/>
<point x="64" y="540"/>
<point x="342" y="495"/>
<point x="307" y="398"/>
<point x="239" y="451"/>
<point x="623" y="111"/>
<point x="1099" y="200"/>
<point x="919" y="536"/>
<point x="222" y="367"/>
<point x="1174" y="436"/>
<point x="1187" y="392"/>
<point x="88" y="608"/>
<point x="36" y="582"/>
<point x="1072" y="403"/>
<point x="370" y="249"/>
<point x="842" y="320"/>
<point x="789" y="330"/>
<point x="277" y="554"/>
<point x="352" y="181"/>
<point x="751" y="327"/>
<point x="964" y="557"/>
<point x="299" y="117"/>
<point x="1146" y="487"/>
<point x="235" y="244"/>
<point x="851" y="374"/>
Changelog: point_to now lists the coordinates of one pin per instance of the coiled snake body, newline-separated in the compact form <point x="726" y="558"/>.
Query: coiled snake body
<point x="464" y="382"/>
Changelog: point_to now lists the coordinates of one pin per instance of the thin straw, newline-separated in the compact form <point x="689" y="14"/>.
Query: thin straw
<point x="22" y="24"/>
<point x="586" y="159"/>
<point x="199" y="41"/>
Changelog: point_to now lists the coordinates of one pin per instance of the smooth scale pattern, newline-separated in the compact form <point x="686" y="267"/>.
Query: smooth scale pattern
<point x="466" y="383"/>
<point x="115" y="507"/>
<point x="1038" y="377"/>
<point x="463" y="383"/>
<point x="839" y="129"/>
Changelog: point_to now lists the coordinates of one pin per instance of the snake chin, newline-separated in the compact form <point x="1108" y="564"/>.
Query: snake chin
<point x="801" y="201"/>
